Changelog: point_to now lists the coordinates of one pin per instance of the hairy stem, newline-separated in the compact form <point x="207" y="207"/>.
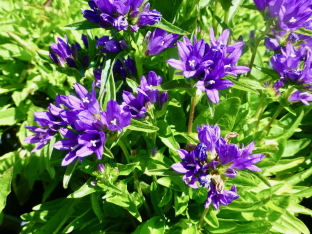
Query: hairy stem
<point x="277" y="112"/>
<point x="254" y="53"/>
<point x="226" y="16"/>
<point x="135" y="176"/>
<point x="202" y="217"/>
<point x="259" y="107"/>
<point x="215" y="22"/>
<point x="191" y="117"/>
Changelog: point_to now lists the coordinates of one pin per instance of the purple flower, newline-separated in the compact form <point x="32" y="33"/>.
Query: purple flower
<point x="209" y="135"/>
<point x="189" y="167"/>
<point x="120" y="23"/>
<point x="110" y="45"/>
<point x="163" y="98"/>
<point x="200" y="152"/>
<point x="42" y="136"/>
<point x="134" y="106"/>
<point x="100" y="168"/>
<point x="160" y="41"/>
<point x="130" y="64"/>
<point x="92" y="142"/>
<point x="62" y="49"/>
<point x="114" y="118"/>
<point x="303" y="97"/>
<point x="148" y="17"/>
<point x="227" y="153"/>
<point x="217" y="197"/>
<point x="97" y="75"/>
<point x="246" y="160"/>
<point x="119" y="70"/>
<point x="146" y="87"/>
<point x="271" y="43"/>
<point x="261" y="4"/>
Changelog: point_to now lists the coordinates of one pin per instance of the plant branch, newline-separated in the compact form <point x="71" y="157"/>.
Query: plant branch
<point x="202" y="217"/>
<point x="192" y="111"/>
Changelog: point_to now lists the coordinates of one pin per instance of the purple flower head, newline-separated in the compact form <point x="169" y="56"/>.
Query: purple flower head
<point x="149" y="17"/>
<point x="227" y="153"/>
<point x="246" y="160"/>
<point x="230" y="172"/>
<point x="134" y="106"/>
<point x="204" y="180"/>
<point x="92" y="142"/>
<point x="146" y="87"/>
<point x="209" y="136"/>
<point x="303" y="97"/>
<point x="84" y="38"/>
<point x="200" y="152"/>
<point x="271" y="43"/>
<point x="261" y="4"/>
<point x="189" y="167"/>
<point x="114" y="118"/>
<point x="63" y="50"/>
<point x="42" y="136"/>
<point x="160" y="41"/>
<point x="100" y="168"/>
<point x="217" y="197"/>
<point x="120" y="23"/>
<point x="109" y="45"/>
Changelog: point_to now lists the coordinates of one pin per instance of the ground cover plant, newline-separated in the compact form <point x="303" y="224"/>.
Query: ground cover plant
<point x="159" y="116"/>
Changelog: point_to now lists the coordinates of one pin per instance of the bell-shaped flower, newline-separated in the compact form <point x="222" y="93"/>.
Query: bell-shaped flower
<point x="209" y="135"/>
<point x="148" y="17"/>
<point x="160" y="41"/>
<point x="146" y="87"/>
<point x="303" y="97"/>
<point x="134" y="106"/>
<point x="42" y="136"/>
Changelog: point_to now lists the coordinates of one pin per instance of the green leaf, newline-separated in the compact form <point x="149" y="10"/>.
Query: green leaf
<point x="225" y="4"/>
<point x="167" y="182"/>
<point x="243" y="206"/>
<point x="165" y="25"/>
<point x="155" y="199"/>
<point x="108" y="153"/>
<point x="96" y="207"/>
<point x="136" y="125"/>
<point x="295" y="179"/>
<point x="166" y="198"/>
<point x="5" y="186"/>
<point x="305" y="193"/>
<point x="211" y="218"/>
<point x="11" y="116"/>
<point x="180" y="202"/>
<point x="47" y="157"/>
<point x="133" y="85"/>
<point x="260" y="176"/>
<point x="81" y="25"/>
<point x="284" y="165"/>
<point x="168" y="9"/>
<point x="250" y="7"/>
<point x="265" y="149"/>
<point x="297" y="223"/>
<point x="296" y="208"/>
<point x="268" y="71"/>
<point x="225" y="115"/>
<point x="173" y="85"/>
<point x="126" y="169"/>
<point x="125" y="201"/>
<point x="155" y="225"/>
<point x="68" y="173"/>
<point x="294" y="146"/>
<point x="242" y="86"/>
<point x="84" y="190"/>
<point x="58" y="220"/>
<point x="79" y="221"/>
<point x="166" y="136"/>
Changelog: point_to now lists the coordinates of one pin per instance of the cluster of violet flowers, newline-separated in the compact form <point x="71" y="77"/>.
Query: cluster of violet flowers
<point x="208" y="64"/>
<point x="212" y="162"/>
<point x="146" y="97"/>
<point x="81" y="121"/>
<point x="121" y="14"/>
<point x="292" y="58"/>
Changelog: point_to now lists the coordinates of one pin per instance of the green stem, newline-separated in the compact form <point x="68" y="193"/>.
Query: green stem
<point x="165" y="64"/>
<point x="254" y="53"/>
<point x="215" y="22"/>
<point x="135" y="176"/>
<point x="226" y="16"/>
<point x="277" y="112"/>
<point x="260" y="116"/>
<point x="191" y="117"/>
<point x="259" y="107"/>
<point x="137" y="57"/>
<point x="202" y="218"/>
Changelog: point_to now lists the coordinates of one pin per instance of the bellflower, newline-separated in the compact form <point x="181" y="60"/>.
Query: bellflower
<point x="271" y="44"/>
<point x="63" y="50"/>
<point x="42" y="136"/>
<point x="110" y="45"/>
<point x="303" y="97"/>
<point x="146" y="87"/>
<point x="189" y="167"/>
<point x="160" y="41"/>
<point x="134" y="106"/>
<point x="209" y="136"/>
<point x="92" y="142"/>
<point x="148" y="17"/>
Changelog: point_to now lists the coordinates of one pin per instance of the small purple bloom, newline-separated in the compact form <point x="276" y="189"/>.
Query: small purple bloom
<point x="209" y="135"/>
<point x="271" y="43"/>
<point x="42" y="136"/>
<point x="217" y="197"/>
<point x="204" y="180"/>
<point x="260" y="4"/>
<point x="100" y="167"/>
<point x="230" y="172"/>
<point x="149" y="17"/>
<point x="114" y="118"/>
<point x="97" y="75"/>
<point x="84" y="38"/>
<point x="119" y="70"/>
<point x="130" y="65"/>
<point x="109" y="45"/>
<point x="120" y="23"/>
<point x="146" y="87"/>
<point x="163" y="98"/>
<point x="160" y="41"/>
<point x="200" y="152"/>
<point x="92" y="142"/>
<point x="134" y="106"/>
<point x="303" y="97"/>
<point x="227" y="153"/>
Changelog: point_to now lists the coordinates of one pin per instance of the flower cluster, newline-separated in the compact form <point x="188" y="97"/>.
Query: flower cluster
<point x="72" y="55"/>
<point x="214" y="160"/>
<point x="288" y="15"/>
<point x="210" y="63"/>
<point x="81" y="121"/>
<point x="121" y="14"/>
<point x="147" y="95"/>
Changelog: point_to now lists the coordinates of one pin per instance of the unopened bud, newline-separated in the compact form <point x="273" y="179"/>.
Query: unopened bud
<point x="116" y="168"/>
<point x="123" y="45"/>
<point x="148" y="105"/>
<point x="252" y="35"/>
<point x="147" y="37"/>
<point x="133" y="153"/>
<point x="163" y="98"/>
<point x="230" y="172"/>
<point x="101" y="168"/>
<point x="190" y="147"/>
<point x="154" y="152"/>
<point x="93" y="183"/>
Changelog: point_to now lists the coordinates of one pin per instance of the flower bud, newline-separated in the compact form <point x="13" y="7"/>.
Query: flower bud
<point x="134" y="14"/>
<point x="147" y="37"/>
<point x="74" y="51"/>
<point x="84" y="38"/>
<point x="252" y="35"/>
<point x="230" y="172"/>
<point x="200" y="152"/>
<point x="154" y="151"/>
<point x="123" y="45"/>
<point x="93" y="183"/>
<point x="148" y="105"/>
<point x="85" y="61"/>
<point x="163" y="98"/>
<point x="101" y="168"/>
<point x="271" y="43"/>
<point x="146" y="7"/>
<point x="133" y="153"/>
